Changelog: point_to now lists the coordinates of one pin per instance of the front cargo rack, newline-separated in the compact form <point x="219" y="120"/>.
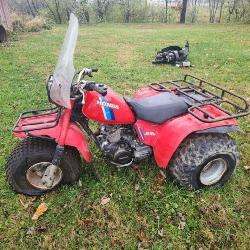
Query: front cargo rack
<point x="37" y="120"/>
<point x="204" y="98"/>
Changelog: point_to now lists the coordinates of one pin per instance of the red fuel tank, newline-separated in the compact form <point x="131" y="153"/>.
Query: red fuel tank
<point x="109" y="109"/>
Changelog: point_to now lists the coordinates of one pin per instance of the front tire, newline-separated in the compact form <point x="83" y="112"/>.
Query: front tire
<point x="204" y="160"/>
<point x="34" y="151"/>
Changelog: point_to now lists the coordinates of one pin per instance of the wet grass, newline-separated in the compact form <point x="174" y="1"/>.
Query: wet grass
<point x="147" y="212"/>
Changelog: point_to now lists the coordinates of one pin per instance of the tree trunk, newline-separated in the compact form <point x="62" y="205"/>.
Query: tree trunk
<point x="213" y="7"/>
<point x="166" y="2"/>
<point x="183" y="11"/>
<point x="34" y="6"/>
<point x="58" y="11"/>
<point x="221" y="8"/>
<point x="194" y="10"/>
<point x="86" y="15"/>
<point x="30" y="8"/>
<point x="127" y="13"/>
<point x="50" y="9"/>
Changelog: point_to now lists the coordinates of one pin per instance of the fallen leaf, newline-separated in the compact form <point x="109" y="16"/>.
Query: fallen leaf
<point x="161" y="232"/>
<point x="80" y="183"/>
<point x="30" y="231"/>
<point x="181" y="217"/>
<point x="105" y="200"/>
<point x="247" y="167"/>
<point x="42" y="208"/>
<point x="144" y="243"/>
<point x="26" y="202"/>
<point x="41" y="228"/>
<point x="182" y="225"/>
<point x="159" y="180"/>
<point x="86" y="223"/>
<point x="137" y="187"/>
<point x="25" y="205"/>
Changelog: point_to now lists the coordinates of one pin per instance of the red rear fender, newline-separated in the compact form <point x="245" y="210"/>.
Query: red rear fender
<point x="74" y="136"/>
<point x="166" y="138"/>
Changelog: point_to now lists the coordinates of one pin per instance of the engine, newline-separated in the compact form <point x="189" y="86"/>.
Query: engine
<point x="120" y="145"/>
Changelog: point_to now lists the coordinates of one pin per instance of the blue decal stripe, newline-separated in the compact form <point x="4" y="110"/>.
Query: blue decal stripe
<point x="112" y="115"/>
<point x="141" y="133"/>
<point x="108" y="112"/>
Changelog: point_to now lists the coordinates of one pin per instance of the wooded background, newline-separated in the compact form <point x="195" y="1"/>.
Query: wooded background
<point x="126" y="11"/>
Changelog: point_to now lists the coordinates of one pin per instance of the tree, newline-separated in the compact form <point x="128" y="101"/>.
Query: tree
<point x="102" y="7"/>
<point x="30" y="8"/>
<point x="57" y="5"/>
<point x="47" y="5"/>
<point x="35" y="5"/>
<point x="183" y="11"/>
<point x="239" y="9"/>
<point x="85" y="10"/>
<point x="53" y="7"/>
<point x="166" y="4"/>
<point x="194" y="10"/>
<point x="127" y="11"/>
<point x="213" y="7"/>
<point x="221" y="8"/>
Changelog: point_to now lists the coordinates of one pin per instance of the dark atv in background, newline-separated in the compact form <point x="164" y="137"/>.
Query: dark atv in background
<point x="174" y="55"/>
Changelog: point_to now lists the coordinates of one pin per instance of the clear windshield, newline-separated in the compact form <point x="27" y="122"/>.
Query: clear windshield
<point x="64" y="71"/>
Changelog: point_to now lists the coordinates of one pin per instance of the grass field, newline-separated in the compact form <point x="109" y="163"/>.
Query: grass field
<point x="143" y="212"/>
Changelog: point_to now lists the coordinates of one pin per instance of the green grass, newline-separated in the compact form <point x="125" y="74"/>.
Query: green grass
<point x="214" y="219"/>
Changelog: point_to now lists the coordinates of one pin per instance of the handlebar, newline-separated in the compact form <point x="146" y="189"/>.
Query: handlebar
<point x="88" y="85"/>
<point x="94" y="70"/>
<point x="93" y="86"/>
<point x="86" y="72"/>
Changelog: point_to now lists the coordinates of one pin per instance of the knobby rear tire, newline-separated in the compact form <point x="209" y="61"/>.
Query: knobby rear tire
<point x="196" y="152"/>
<point x="34" y="150"/>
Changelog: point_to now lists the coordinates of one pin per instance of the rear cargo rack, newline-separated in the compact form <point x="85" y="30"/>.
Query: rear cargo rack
<point x="37" y="119"/>
<point x="202" y="97"/>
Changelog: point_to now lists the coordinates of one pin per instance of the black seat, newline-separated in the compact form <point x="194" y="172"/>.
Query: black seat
<point x="158" y="108"/>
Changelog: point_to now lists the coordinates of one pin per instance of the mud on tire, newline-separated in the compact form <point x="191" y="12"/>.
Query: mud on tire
<point x="34" y="150"/>
<point x="196" y="153"/>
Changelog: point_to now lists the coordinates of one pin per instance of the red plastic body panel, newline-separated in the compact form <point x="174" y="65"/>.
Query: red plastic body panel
<point x="111" y="109"/>
<point x="166" y="138"/>
<point x="145" y="92"/>
<point x="65" y="133"/>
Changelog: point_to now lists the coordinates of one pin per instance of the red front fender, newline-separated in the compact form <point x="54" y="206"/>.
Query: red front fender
<point x="74" y="135"/>
<point x="166" y="138"/>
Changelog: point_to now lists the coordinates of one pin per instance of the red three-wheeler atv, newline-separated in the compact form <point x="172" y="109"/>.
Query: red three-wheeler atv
<point x="182" y="124"/>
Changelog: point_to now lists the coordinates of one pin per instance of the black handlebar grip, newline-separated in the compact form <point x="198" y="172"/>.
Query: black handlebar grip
<point x="94" y="69"/>
<point x="101" y="89"/>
